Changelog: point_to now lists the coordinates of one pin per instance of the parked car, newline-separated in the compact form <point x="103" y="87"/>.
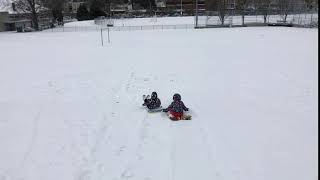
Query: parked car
<point x="29" y="29"/>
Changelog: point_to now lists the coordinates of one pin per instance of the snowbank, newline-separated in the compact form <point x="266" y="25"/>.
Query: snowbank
<point x="71" y="109"/>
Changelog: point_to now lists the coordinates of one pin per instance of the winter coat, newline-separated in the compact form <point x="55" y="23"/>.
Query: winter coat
<point x="152" y="103"/>
<point x="176" y="106"/>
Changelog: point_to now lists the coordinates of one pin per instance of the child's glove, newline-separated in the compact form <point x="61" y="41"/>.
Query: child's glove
<point x="146" y="102"/>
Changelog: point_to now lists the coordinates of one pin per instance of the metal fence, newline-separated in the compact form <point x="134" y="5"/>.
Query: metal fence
<point x="74" y="29"/>
<point x="151" y="27"/>
<point x="118" y="28"/>
<point x="299" y="20"/>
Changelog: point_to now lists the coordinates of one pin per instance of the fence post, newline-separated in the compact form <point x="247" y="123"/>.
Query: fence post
<point x="197" y="13"/>
<point x="305" y="19"/>
<point x="108" y="35"/>
<point x="101" y="38"/>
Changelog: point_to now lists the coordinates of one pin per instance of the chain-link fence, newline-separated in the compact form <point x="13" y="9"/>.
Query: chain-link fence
<point x="300" y="20"/>
<point x="119" y="28"/>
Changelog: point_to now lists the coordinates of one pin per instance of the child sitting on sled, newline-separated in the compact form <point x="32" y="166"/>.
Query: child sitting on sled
<point x="153" y="102"/>
<point x="176" y="109"/>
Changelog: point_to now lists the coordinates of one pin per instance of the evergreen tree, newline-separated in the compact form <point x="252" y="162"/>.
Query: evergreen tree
<point x="96" y="8"/>
<point x="56" y="8"/>
<point x="83" y="13"/>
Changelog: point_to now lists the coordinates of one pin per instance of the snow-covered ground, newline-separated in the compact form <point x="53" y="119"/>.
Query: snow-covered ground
<point x="71" y="109"/>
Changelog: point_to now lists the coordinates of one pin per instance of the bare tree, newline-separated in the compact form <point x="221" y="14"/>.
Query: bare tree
<point x="242" y="6"/>
<point x="107" y="7"/>
<point x="285" y="7"/>
<point x="222" y="10"/>
<point x="30" y="8"/>
<point x="220" y="6"/>
<point x="56" y="8"/>
<point x="263" y="6"/>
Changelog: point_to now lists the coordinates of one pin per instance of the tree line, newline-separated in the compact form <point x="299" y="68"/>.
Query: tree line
<point x="223" y="8"/>
<point x="95" y="8"/>
<point x="32" y="9"/>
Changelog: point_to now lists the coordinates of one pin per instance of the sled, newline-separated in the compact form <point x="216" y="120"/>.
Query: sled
<point x="159" y="109"/>
<point x="187" y="117"/>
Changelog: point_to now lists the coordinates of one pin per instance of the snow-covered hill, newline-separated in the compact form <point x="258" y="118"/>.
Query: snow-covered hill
<point x="71" y="109"/>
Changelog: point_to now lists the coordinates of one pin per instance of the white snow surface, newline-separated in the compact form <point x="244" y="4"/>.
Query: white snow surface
<point x="70" y="109"/>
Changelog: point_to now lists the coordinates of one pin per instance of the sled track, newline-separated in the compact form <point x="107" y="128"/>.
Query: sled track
<point x="35" y="123"/>
<point x="173" y="154"/>
<point x="204" y="136"/>
<point x="33" y="140"/>
<point x="88" y="163"/>
<point x="141" y="127"/>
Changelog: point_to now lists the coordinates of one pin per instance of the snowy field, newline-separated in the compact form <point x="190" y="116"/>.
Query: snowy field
<point x="71" y="109"/>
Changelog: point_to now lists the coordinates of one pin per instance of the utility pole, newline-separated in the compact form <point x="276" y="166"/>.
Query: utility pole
<point x="196" y="14"/>
<point x="150" y="6"/>
<point x="181" y="7"/>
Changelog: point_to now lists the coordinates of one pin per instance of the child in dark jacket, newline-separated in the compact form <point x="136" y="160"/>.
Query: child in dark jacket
<point x="152" y="103"/>
<point x="176" y="108"/>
